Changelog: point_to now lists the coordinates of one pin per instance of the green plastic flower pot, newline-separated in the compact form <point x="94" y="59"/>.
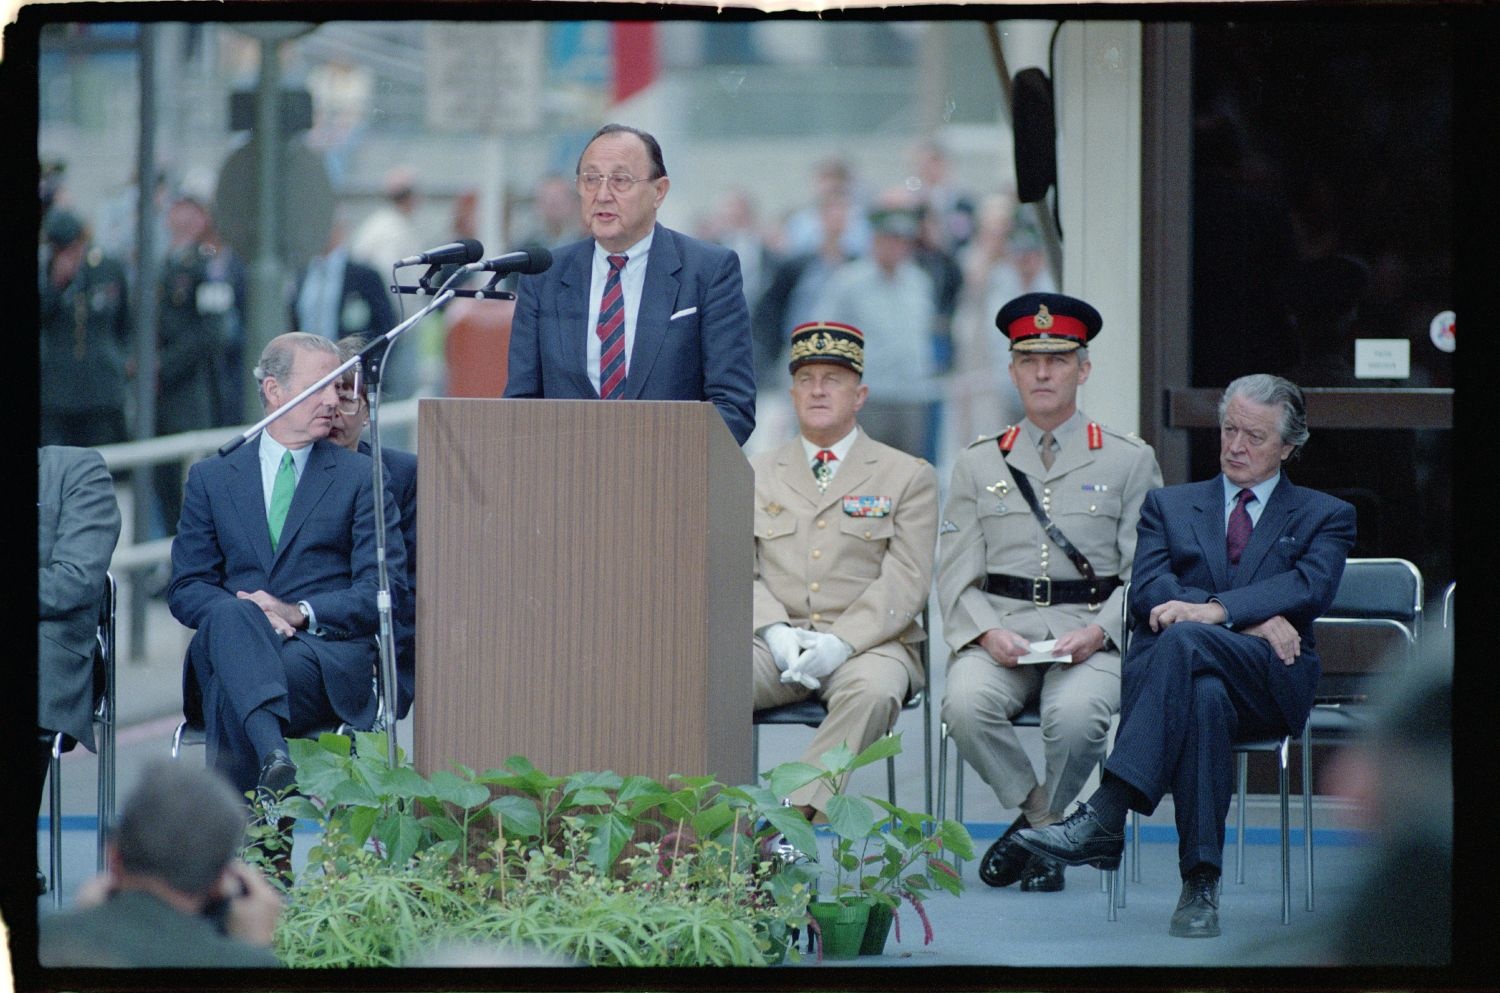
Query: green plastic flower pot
<point x="877" y="929"/>
<point x="841" y="926"/>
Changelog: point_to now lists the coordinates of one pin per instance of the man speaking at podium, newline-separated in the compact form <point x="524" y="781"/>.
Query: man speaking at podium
<point x="637" y="311"/>
<point x="845" y="533"/>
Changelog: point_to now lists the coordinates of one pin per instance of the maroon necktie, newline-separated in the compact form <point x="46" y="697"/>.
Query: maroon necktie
<point x="1237" y="534"/>
<point x="612" y="332"/>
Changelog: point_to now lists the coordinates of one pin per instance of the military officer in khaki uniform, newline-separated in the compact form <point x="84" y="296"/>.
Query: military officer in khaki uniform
<point x="845" y="529"/>
<point x="1006" y="580"/>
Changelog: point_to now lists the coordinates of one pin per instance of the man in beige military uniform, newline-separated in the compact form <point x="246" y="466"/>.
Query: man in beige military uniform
<point x="845" y="529"/>
<point x="1006" y="582"/>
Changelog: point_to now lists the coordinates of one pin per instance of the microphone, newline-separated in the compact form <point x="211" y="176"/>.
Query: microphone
<point x="527" y="263"/>
<point x="461" y="252"/>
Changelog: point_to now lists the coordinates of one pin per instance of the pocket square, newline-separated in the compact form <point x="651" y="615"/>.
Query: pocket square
<point x="683" y="313"/>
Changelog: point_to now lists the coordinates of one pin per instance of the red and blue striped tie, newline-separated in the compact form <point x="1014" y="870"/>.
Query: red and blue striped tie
<point x="612" y="332"/>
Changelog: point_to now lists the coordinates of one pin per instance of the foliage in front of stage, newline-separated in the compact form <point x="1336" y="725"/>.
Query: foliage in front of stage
<point x="514" y="866"/>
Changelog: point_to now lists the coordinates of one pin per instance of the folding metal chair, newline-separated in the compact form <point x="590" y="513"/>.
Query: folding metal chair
<point x="1372" y="626"/>
<point x="104" y="743"/>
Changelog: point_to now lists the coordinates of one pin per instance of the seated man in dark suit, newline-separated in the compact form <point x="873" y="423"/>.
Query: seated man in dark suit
<point x="1229" y="576"/>
<point x="274" y="565"/>
<point x="349" y="420"/>
<point x="174" y="895"/>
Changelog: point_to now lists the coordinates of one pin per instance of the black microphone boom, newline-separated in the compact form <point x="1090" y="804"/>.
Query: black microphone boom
<point x="460" y="252"/>
<point x="527" y="263"/>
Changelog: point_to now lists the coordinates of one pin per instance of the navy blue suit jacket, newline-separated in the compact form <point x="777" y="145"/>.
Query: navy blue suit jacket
<point x="401" y="480"/>
<point x="692" y="332"/>
<point x="1291" y="566"/>
<point x="326" y="556"/>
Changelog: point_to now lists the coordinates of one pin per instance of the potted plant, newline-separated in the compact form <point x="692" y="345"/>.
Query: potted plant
<point x="903" y="860"/>
<point x="874" y="863"/>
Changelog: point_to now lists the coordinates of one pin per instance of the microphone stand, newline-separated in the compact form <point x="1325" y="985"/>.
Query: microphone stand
<point x="377" y="349"/>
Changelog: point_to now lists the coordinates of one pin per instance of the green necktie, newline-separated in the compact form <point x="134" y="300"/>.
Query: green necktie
<point x="281" y="497"/>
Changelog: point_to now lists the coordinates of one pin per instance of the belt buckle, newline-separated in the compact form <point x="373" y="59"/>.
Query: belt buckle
<point x="1039" y="598"/>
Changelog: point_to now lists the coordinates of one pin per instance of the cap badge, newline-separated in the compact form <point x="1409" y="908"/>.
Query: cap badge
<point x="1043" y="319"/>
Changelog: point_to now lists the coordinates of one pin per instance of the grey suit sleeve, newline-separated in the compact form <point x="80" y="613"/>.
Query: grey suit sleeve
<point x="88" y="526"/>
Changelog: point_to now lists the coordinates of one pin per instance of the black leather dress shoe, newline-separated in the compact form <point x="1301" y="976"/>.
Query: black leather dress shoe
<point x="1078" y="840"/>
<point x="1004" y="861"/>
<point x="1042" y="875"/>
<point x="277" y="775"/>
<point x="1197" y="913"/>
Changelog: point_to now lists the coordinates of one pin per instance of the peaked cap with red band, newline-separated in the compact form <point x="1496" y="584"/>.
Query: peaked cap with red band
<point x="1048" y="322"/>
<point x="828" y="341"/>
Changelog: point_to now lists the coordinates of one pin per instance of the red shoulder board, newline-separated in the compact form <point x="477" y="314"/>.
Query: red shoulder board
<point x="1096" y="436"/>
<point x="1009" y="437"/>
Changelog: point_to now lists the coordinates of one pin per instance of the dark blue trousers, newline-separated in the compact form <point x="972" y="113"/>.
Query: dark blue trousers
<point x="237" y="663"/>
<point x="1186" y="695"/>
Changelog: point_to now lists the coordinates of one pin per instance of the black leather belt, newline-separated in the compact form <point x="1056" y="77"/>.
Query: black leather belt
<point x="1045" y="591"/>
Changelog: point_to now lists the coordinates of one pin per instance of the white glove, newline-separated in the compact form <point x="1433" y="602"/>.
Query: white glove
<point x="824" y="653"/>
<point x="794" y="672"/>
<point x="784" y="644"/>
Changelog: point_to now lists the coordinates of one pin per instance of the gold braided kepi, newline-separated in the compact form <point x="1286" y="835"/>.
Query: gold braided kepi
<point x="828" y="341"/>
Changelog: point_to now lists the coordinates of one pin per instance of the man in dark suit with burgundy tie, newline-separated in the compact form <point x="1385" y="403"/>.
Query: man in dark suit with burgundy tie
<point x="637" y="311"/>
<point x="274" y="566"/>
<point x="1229" y="576"/>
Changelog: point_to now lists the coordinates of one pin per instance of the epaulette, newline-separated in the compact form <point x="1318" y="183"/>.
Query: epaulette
<point x="985" y="439"/>
<point x="1128" y="436"/>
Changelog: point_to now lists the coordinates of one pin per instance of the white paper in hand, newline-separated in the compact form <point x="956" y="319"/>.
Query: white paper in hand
<point x="1042" y="651"/>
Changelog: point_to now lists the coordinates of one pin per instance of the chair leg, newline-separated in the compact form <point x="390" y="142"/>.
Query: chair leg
<point x="106" y="792"/>
<point x="754" y="752"/>
<point x="1111" y="877"/>
<point x="942" y="780"/>
<point x="1135" y="845"/>
<point x="1307" y="810"/>
<point x="1239" y="830"/>
<point x="1131" y="857"/>
<point x="1286" y="851"/>
<point x="54" y="818"/>
<point x="927" y="753"/>
<point x="958" y="786"/>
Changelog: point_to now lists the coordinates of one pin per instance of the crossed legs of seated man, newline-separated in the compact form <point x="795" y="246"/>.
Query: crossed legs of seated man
<point x="1077" y="701"/>
<point x="863" y="696"/>
<point x="1185" y="699"/>
<point x="258" y="688"/>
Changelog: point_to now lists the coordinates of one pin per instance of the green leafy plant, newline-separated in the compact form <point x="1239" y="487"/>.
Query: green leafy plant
<point x="591" y="868"/>
<point x="887" y="859"/>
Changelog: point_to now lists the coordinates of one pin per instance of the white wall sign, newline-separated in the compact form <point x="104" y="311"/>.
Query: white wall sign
<point x="1382" y="358"/>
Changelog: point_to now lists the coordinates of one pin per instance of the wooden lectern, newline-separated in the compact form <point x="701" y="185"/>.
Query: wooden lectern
<point x="583" y="588"/>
